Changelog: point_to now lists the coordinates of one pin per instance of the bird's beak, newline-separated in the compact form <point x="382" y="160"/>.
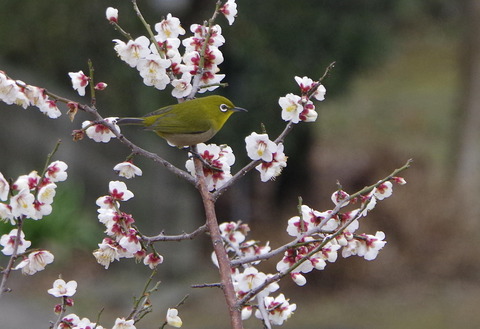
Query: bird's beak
<point x="239" y="109"/>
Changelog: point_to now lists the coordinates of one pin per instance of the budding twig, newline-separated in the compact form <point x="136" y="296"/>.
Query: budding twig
<point x="311" y="232"/>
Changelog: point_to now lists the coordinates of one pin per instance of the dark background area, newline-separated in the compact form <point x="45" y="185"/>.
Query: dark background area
<point x="403" y="87"/>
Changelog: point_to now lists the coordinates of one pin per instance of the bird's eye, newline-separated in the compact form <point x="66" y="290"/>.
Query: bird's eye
<point x="224" y="107"/>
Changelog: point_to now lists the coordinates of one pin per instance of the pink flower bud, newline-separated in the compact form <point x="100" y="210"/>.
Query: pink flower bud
<point x="101" y="86"/>
<point x="112" y="14"/>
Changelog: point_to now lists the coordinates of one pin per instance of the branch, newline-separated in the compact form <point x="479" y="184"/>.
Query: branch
<point x="141" y="304"/>
<point x="278" y="276"/>
<point x="179" y="237"/>
<point x="60" y="315"/>
<point x="6" y="272"/>
<point x="318" y="229"/>
<point x="133" y="147"/>
<point x="225" y="268"/>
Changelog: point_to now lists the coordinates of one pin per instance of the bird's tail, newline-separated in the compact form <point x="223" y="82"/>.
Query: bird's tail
<point x="131" y="121"/>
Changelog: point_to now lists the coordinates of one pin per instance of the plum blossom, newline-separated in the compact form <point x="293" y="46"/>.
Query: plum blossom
<point x="306" y="84"/>
<point x="173" y="319"/>
<point x="47" y="193"/>
<point x="8" y="243"/>
<point x="85" y="323"/>
<point x="383" y="190"/>
<point x="127" y="169"/>
<point x="28" y="182"/>
<point x="169" y="28"/>
<point x="229" y="9"/>
<point x="98" y="132"/>
<point x="220" y="157"/>
<point x="374" y="243"/>
<point x="152" y="69"/>
<point x="249" y="279"/>
<point x="132" y="51"/>
<point x="129" y="243"/>
<point x="22" y="203"/>
<point x="233" y="232"/>
<point x="4" y="188"/>
<point x="79" y="81"/>
<point x="291" y="107"/>
<point x="272" y="169"/>
<point x="57" y="171"/>
<point x="121" y="323"/>
<point x="365" y="245"/>
<point x="260" y="147"/>
<point x="253" y="248"/>
<point x="152" y="260"/>
<point x="339" y="196"/>
<point x="63" y="289"/>
<point x="69" y="321"/>
<point x="107" y="252"/>
<point x="119" y="191"/>
<point x="279" y="309"/>
<point x="35" y="262"/>
<point x="18" y="93"/>
<point x="182" y="87"/>
<point x="6" y="213"/>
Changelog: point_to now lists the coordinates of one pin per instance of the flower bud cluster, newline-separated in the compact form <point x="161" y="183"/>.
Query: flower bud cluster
<point x="217" y="162"/>
<point x="18" y="93"/>
<point x="66" y="290"/>
<point x="273" y="160"/>
<point x="123" y="239"/>
<point x="321" y="235"/>
<point x="162" y="63"/>
<point x="28" y="197"/>
<point x="300" y="108"/>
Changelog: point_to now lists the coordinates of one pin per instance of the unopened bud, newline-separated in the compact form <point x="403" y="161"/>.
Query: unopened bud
<point x="112" y="14"/>
<point x="101" y="86"/>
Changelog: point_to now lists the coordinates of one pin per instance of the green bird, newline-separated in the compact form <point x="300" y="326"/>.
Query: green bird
<point x="188" y="123"/>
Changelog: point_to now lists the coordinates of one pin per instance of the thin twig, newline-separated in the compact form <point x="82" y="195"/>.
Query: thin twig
<point x="13" y="257"/>
<point x="312" y="231"/>
<point x="207" y="285"/>
<point x="318" y="229"/>
<point x="133" y="147"/>
<point x="179" y="237"/>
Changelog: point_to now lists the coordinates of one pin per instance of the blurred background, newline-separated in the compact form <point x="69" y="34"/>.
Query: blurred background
<point x="406" y="84"/>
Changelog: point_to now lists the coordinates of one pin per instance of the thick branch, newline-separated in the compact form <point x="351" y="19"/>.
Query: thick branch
<point x="225" y="268"/>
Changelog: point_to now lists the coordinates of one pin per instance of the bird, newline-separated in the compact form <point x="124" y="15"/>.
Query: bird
<point x="188" y="123"/>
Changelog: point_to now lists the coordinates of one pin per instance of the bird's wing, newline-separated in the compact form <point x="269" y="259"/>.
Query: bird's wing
<point x="160" y="111"/>
<point x="179" y="122"/>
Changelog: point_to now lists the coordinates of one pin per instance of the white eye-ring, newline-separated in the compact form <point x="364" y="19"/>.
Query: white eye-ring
<point x="224" y="107"/>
